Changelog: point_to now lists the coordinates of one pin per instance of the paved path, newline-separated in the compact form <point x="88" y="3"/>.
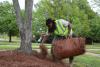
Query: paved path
<point x="93" y="49"/>
<point x="93" y="54"/>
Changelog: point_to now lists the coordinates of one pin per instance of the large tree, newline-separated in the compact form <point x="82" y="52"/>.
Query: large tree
<point x="25" y="25"/>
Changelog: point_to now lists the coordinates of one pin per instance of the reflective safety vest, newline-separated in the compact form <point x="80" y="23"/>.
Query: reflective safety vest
<point x="60" y="29"/>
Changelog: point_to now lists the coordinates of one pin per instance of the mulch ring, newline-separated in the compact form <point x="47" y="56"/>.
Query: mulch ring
<point x="17" y="59"/>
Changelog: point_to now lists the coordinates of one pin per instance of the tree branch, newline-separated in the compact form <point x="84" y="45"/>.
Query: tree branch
<point x="18" y="13"/>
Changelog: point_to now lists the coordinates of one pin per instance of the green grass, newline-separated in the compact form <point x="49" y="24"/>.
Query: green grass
<point x="87" y="61"/>
<point x="5" y="45"/>
<point x="8" y="47"/>
<point x="12" y="47"/>
<point x="36" y="45"/>
<point x="9" y="43"/>
<point x="5" y="37"/>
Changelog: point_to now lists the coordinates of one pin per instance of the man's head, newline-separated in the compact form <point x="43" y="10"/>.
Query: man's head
<point x="50" y="23"/>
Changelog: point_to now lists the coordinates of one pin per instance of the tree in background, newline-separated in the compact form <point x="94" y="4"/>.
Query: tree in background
<point x="77" y="11"/>
<point x="7" y="20"/>
<point x="25" y="25"/>
<point x="95" y="29"/>
<point x="96" y="23"/>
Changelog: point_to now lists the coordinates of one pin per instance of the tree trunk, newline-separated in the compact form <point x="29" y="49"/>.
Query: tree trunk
<point x="25" y="27"/>
<point x="9" y="34"/>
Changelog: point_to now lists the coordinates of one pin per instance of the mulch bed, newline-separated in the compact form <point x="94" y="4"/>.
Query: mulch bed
<point x="18" y="59"/>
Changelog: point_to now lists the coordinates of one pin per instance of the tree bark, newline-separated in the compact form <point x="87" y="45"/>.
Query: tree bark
<point x="25" y="26"/>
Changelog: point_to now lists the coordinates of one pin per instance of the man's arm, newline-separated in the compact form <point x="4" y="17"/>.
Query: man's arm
<point x="44" y="37"/>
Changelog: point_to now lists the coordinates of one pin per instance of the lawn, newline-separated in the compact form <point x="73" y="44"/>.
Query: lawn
<point x="87" y="61"/>
<point x="5" y="45"/>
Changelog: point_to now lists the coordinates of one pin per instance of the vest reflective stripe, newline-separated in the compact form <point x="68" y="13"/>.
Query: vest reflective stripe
<point x="60" y="30"/>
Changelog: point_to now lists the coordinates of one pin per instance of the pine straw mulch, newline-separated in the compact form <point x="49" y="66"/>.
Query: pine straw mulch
<point x="18" y="59"/>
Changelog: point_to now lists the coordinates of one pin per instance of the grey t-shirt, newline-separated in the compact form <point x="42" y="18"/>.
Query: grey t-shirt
<point x="64" y="22"/>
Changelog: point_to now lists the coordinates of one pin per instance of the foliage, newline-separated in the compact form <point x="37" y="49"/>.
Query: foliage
<point x="95" y="28"/>
<point x="7" y="19"/>
<point x="76" y="11"/>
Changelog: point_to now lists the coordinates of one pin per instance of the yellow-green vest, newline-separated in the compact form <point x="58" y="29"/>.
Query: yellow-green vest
<point x="60" y="29"/>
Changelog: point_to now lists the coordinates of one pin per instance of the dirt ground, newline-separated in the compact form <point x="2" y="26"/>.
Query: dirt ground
<point x="16" y="59"/>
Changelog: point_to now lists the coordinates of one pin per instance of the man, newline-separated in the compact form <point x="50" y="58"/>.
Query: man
<point x="60" y="27"/>
<point x="61" y="30"/>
